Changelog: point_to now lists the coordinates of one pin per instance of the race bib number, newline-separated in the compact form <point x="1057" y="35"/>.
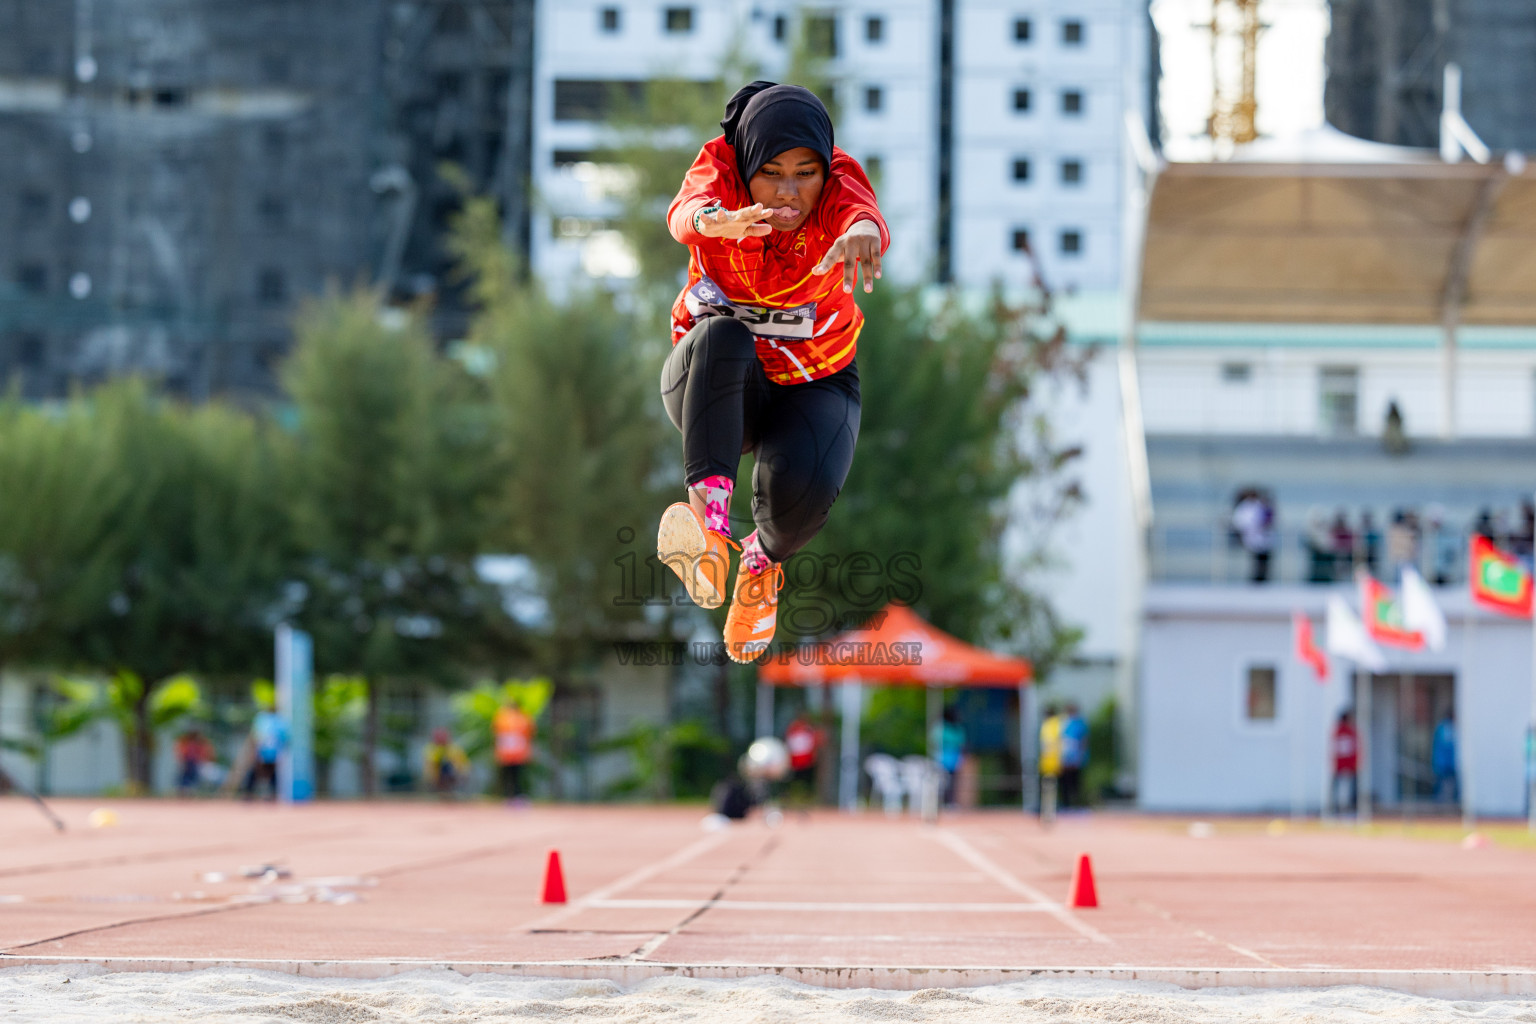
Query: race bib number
<point x="798" y="323"/>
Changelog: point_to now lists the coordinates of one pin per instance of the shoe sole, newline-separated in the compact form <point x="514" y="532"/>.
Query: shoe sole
<point x="752" y="652"/>
<point x="681" y="546"/>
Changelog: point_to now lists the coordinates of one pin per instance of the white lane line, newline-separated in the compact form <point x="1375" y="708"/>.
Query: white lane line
<point x="982" y="863"/>
<point x="630" y="880"/>
<point x="812" y="908"/>
<point x="1202" y="933"/>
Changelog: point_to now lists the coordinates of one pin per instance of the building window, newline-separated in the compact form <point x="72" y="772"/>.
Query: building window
<point x="1260" y="695"/>
<point x="273" y="211"/>
<point x="454" y="19"/>
<point x="821" y="36"/>
<point x="1236" y="373"/>
<point x="1072" y="102"/>
<point x="276" y="68"/>
<point x="1021" y="170"/>
<point x="591" y="99"/>
<point x="1020" y="100"/>
<point x="780" y="28"/>
<point x="1071" y="172"/>
<point x="1020" y="240"/>
<point x="1338" y="392"/>
<point x="1071" y="242"/>
<point x="874" y="30"/>
<point x="34" y="207"/>
<point x="29" y="351"/>
<point x="608" y="19"/>
<point x="1072" y="33"/>
<point x="271" y="288"/>
<point x="1021" y="30"/>
<point x="874" y="167"/>
<point x="170" y="98"/>
<point x="274" y="143"/>
<point x="874" y="99"/>
<point x="32" y="278"/>
<point x="678" y="19"/>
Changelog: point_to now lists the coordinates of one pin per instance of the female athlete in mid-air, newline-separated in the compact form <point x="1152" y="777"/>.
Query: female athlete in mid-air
<point x="763" y="345"/>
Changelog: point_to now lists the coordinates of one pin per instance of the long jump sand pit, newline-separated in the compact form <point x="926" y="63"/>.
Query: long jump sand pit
<point x="340" y="912"/>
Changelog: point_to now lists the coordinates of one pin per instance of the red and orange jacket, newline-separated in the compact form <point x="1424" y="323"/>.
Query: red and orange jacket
<point x="805" y="325"/>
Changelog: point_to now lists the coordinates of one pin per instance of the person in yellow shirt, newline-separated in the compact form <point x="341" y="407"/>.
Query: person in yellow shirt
<point x="1050" y="761"/>
<point x="446" y="765"/>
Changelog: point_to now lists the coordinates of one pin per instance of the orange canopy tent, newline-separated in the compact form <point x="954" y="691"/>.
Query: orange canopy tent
<point x="895" y="648"/>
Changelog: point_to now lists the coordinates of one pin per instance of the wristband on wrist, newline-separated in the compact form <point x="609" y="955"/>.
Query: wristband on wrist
<point x="699" y="213"/>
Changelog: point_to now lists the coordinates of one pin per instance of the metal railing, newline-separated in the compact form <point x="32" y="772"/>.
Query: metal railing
<point x="1212" y="553"/>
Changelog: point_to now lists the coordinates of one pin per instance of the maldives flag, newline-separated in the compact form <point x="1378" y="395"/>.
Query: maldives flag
<point x="1498" y="580"/>
<point x="1383" y="616"/>
<point x="1307" y="650"/>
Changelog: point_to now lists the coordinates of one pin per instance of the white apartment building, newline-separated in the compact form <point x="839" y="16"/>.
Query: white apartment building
<point x="987" y="125"/>
<point x="1041" y="92"/>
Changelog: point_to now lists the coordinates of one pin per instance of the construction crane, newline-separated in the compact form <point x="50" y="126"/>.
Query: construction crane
<point x="1233" y="119"/>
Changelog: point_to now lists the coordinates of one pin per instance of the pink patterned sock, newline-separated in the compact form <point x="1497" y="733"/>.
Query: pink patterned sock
<point x="717" y="502"/>
<point x="753" y="558"/>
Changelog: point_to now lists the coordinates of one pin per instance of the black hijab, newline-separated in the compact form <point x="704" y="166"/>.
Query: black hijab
<point x="763" y="120"/>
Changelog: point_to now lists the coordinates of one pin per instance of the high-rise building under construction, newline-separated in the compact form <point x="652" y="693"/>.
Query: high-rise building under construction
<point x="1386" y="63"/>
<point x="180" y="172"/>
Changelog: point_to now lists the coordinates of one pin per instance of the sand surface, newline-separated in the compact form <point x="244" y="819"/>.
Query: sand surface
<point x="63" y="995"/>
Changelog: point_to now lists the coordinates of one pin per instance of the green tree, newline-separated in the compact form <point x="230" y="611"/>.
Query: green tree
<point x="391" y="467"/>
<point x="948" y="433"/>
<point x="580" y="436"/>
<point x="171" y="512"/>
<point x="340" y="704"/>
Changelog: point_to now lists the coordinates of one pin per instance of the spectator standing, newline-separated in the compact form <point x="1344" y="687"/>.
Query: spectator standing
<point x="1444" y="546"/>
<point x="948" y="743"/>
<point x="1483" y="527"/>
<point x="193" y="755"/>
<point x="269" y="737"/>
<point x="1346" y="762"/>
<point x="1368" y="544"/>
<point x="513" y="731"/>
<point x="1402" y="543"/>
<point x="803" y="740"/>
<point x="1343" y="547"/>
<point x="1074" y="756"/>
<point x="1254" y="521"/>
<point x="1442" y="757"/>
<point x="1523" y="542"/>
<point x="1321" y="552"/>
<point x="1050" y="761"/>
<point x="445" y="763"/>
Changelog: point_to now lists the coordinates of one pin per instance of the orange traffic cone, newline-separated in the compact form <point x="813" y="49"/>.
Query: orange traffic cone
<point x="554" y="879"/>
<point x="1082" y="893"/>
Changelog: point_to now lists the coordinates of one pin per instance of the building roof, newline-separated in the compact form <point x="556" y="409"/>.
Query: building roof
<point x="1323" y="228"/>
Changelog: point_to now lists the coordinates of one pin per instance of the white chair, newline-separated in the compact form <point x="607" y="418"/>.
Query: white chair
<point x="885" y="779"/>
<point x="922" y="780"/>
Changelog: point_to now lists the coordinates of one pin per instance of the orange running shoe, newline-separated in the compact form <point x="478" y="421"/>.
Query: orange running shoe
<point x="754" y="613"/>
<point x="701" y="558"/>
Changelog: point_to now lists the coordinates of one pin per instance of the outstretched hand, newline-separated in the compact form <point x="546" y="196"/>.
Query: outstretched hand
<point x="859" y="245"/>
<point x="747" y="222"/>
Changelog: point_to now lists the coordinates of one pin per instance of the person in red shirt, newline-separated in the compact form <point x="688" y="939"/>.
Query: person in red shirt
<point x="803" y="741"/>
<point x="1346" y="760"/>
<point x="764" y="336"/>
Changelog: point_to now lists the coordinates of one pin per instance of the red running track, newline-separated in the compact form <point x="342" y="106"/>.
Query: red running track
<point x="460" y="883"/>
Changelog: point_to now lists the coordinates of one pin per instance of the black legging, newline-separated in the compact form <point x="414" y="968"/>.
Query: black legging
<point x="802" y="435"/>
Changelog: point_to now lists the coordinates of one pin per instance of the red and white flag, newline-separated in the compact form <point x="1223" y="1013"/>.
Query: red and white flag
<point x="1307" y="651"/>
